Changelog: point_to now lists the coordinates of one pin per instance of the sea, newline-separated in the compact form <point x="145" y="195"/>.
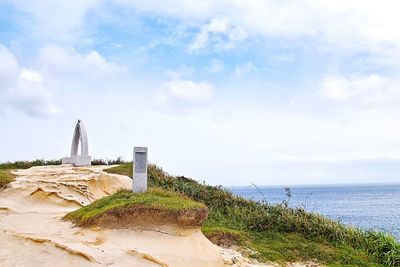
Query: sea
<point x="367" y="206"/>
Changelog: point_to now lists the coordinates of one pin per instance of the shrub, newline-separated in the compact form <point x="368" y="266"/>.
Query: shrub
<point x="28" y="164"/>
<point x="5" y="178"/>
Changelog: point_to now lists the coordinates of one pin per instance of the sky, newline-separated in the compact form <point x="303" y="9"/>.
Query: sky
<point x="229" y="92"/>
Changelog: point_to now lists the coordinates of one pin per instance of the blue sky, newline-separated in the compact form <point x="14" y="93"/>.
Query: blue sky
<point x="230" y="92"/>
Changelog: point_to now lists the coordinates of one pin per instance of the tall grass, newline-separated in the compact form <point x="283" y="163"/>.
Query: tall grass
<point x="384" y="247"/>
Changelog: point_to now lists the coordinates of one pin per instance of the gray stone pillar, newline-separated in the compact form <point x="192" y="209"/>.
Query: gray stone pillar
<point x="139" y="181"/>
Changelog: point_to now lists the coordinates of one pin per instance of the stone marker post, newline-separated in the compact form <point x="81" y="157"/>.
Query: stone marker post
<point x="139" y="181"/>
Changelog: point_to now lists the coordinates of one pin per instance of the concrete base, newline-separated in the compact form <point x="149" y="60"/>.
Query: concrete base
<point x="78" y="161"/>
<point x="139" y="182"/>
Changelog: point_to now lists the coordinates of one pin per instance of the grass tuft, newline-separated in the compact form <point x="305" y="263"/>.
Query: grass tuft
<point x="6" y="177"/>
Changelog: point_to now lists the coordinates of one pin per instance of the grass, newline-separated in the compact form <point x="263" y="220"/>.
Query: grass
<point x="6" y="177"/>
<point x="123" y="169"/>
<point x="277" y="232"/>
<point x="225" y="237"/>
<point x="27" y="164"/>
<point x="289" y="247"/>
<point x="154" y="199"/>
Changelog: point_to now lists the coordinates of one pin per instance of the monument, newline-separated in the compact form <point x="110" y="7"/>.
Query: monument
<point x="79" y="136"/>
<point x="139" y="181"/>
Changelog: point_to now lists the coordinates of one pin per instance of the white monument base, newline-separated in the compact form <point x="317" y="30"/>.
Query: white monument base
<point x="78" y="161"/>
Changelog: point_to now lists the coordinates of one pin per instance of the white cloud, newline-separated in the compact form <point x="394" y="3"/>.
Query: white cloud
<point x="282" y="58"/>
<point x="221" y="115"/>
<point x="64" y="61"/>
<point x="219" y="34"/>
<point x="183" y="95"/>
<point x="216" y="66"/>
<point x="9" y="68"/>
<point x="369" y="89"/>
<point x="30" y="76"/>
<point x="30" y="89"/>
<point x="335" y="88"/>
<point x="244" y="69"/>
<point x="55" y="20"/>
<point x="30" y="96"/>
<point x="354" y="25"/>
<point x="24" y="89"/>
<point x="179" y="73"/>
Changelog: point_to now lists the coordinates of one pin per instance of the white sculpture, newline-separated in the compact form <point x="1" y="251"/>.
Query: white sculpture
<point x="79" y="136"/>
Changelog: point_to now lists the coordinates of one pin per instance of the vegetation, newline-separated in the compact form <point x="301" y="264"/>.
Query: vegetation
<point x="5" y="178"/>
<point x="123" y="169"/>
<point x="27" y="164"/>
<point x="42" y="162"/>
<point x="277" y="232"/>
<point x="107" y="161"/>
<point x="170" y="203"/>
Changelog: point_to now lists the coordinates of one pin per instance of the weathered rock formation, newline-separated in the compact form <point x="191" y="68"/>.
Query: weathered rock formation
<point x="32" y="232"/>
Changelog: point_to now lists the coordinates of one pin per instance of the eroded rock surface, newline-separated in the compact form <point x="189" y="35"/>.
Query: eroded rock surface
<point x="33" y="234"/>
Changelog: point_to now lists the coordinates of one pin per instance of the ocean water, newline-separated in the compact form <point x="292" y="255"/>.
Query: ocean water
<point x="365" y="206"/>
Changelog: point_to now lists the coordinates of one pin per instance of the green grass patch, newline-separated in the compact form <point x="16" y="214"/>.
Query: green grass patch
<point x="156" y="199"/>
<point x="289" y="247"/>
<point x="123" y="169"/>
<point x="6" y="177"/>
<point x="277" y="232"/>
